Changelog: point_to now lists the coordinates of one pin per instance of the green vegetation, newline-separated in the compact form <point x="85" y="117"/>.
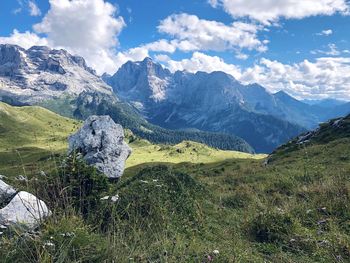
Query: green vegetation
<point x="295" y="209"/>
<point x="191" y="152"/>
<point x="32" y="136"/>
<point x="122" y="113"/>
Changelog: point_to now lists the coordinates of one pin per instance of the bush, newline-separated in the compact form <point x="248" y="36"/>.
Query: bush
<point x="159" y="197"/>
<point x="239" y="199"/>
<point x="77" y="185"/>
<point x="271" y="227"/>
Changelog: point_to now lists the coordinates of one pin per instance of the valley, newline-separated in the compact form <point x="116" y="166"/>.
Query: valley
<point x="219" y="171"/>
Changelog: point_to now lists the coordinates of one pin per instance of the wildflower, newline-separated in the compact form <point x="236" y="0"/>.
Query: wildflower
<point x="68" y="234"/>
<point x="48" y="244"/>
<point x="216" y="252"/>
<point x="115" y="198"/>
<point x="155" y="180"/>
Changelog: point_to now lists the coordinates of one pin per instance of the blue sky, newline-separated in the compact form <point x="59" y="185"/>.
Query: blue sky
<point x="302" y="47"/>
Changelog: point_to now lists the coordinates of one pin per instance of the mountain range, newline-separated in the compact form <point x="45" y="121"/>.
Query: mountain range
<point x="217" y="102"/>
<point x="64" y="84"/>
<point x="160" y="105"/>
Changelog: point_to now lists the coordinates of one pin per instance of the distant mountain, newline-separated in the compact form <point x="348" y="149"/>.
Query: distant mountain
<point x="215" y="102"/>
<point x="212" y="102"/>
<point x="64" y="84"/>
<point x="40" y="73"/>
<point x="325" y="103"/>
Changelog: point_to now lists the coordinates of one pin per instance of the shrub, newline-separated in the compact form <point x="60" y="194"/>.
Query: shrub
<point x="159" y="197"/>
<point x="77" y="185"/>
<point x="271" y="227"/>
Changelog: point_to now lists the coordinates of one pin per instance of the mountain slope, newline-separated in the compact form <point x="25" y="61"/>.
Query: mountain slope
<point x="64" y="83"/>
<point x="213" y="102"/>
<point x="40" y="73"/>
<point x="123" y="113"/>
<point x="336" y="129"/>
<point x="296" y="209"/>
<point x="31" y="135"/>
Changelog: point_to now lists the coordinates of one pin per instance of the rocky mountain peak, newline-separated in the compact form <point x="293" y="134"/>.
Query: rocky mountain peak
<point x="40" y="73"/>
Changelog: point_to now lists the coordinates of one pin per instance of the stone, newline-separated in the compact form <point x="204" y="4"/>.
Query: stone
<point x="25" y="210"/>
<point x="101" y="143"/>
<point x="6" y="191"/>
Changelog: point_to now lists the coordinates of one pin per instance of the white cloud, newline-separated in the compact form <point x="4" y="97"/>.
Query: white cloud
<point x="85" y="27"/>
<point x="34" y="9"/>
<point x="332" y="51"/>
<point x="326" y="32"/>
<point x="268" y="11"/>
<point x="203" y="62"/>
<point x="193" y="34"/>
<point x="326" y="77"/>
<point x="25" y="40"/>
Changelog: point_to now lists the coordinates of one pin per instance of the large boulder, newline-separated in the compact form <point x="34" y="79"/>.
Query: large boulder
<point x="25" y="210"/>
<point x="101" y="143"/>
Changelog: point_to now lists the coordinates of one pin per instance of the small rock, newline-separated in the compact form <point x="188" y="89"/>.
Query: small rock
<point x="24" y="209"/>
<point x="6" y="191"/>
<point x="101" y="143"/>
<point x="22" y="178"/>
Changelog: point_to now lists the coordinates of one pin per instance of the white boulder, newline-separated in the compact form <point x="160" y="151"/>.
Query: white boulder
<point x="101" y="143"/>
<point x="24" y="209"/>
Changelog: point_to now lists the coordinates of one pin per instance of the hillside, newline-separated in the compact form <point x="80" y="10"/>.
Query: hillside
<point x="333" y="130"/>
<point x="295" y="209"/>
<point x="63" y="83"/>
<point x="30" y="136"/>
<point x="213" y="102"/>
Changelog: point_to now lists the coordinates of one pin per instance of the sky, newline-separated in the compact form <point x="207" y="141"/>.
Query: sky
<point x="301" y="47"/>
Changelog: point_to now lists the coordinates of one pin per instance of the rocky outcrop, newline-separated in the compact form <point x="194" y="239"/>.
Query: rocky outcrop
<point x="101" y="143"/>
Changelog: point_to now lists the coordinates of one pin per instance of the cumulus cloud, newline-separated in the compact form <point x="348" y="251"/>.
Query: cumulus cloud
<point x="325" y="77"/>
<point x="202" y="62"/>
<point x="268" y="11"/>
<point x="193" y="34"/>
<point x="33" y="9"/>
<point x="331" y="51"/>
<point x="85" y="27"/>
<point x="25" y="40"/>
<point x="326" y="32"/>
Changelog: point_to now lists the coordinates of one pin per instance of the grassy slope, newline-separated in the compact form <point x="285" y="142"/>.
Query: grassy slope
<point x="29" y="136"/>
<point x="295" y="210"/>
<point x="192" y="152"/>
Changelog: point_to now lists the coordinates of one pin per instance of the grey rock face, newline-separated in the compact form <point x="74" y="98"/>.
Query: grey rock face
<point x="6" y="191"/>
<point x="25" y="210"/>
<point x="101" y="143"/>
<point x="40" y="73"/>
